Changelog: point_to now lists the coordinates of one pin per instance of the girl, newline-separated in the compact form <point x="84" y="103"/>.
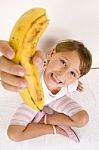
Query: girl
<point x="66" y="63"/>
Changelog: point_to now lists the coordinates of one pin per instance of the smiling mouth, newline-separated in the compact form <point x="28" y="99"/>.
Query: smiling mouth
<point x="55" y="79"/>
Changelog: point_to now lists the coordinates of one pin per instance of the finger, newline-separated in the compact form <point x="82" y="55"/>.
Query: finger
<point x="38" y="63"/>
<point x="6" y="50"/>
<point x="0" y="75"/>
<point x="13" y="80"/>
<point x="80" y="83"/>
<point x="10" y="87"/>
<point x="81" y="86"/>
<point x="39" y="56"/>
<point x="11" y="68"/>
<point x="37" y="60"/>
<point x="79" y="89"/>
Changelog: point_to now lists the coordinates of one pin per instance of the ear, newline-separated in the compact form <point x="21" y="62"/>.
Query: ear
<point x="52" y="52"/>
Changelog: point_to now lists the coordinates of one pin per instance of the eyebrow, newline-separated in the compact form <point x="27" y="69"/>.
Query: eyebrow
<point x="70" y="63"/>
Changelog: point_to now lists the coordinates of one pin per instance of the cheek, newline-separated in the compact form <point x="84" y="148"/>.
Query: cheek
<point x="69" y="81"/>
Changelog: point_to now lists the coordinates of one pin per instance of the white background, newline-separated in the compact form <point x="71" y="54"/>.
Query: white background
<point x="76" y="19"/>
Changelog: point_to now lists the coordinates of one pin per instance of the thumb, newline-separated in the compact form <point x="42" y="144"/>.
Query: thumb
<point x="6" y="50"/>
<point x="39" y="58"/>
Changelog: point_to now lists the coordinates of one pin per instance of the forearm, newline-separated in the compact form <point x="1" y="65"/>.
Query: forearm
<point x="36" y="130"/>
<point x="59" y="119"/>
<point x="32" y="130"/>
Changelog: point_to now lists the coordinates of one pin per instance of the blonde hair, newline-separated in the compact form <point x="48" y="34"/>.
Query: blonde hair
<point x="84" y="54"/>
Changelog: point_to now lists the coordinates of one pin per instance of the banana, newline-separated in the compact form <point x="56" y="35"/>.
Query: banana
<point x="23" y="39"/>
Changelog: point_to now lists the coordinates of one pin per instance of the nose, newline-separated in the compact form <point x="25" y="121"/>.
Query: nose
<point x="63" y="74"/>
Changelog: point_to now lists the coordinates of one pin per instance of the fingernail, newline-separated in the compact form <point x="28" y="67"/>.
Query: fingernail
<point x="21" y="72"/>
<point x="10" y="54"/>
<point x="23" y="84"/>
<point x="20" y="89"/>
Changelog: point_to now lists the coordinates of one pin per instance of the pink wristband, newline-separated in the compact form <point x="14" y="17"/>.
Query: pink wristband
<point x="45" y="119"/>
<point x="54" y="129"/>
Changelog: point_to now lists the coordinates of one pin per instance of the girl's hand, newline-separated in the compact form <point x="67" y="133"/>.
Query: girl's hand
<point x="10" y="73"/>
<point x="80" y="86"/>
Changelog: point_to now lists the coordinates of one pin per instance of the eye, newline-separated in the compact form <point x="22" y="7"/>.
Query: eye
<point x="63" y="62"/>
<point x="73" y="73"/>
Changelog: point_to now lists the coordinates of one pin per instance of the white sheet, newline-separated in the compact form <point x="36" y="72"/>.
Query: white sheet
<point x="89" y="135"/>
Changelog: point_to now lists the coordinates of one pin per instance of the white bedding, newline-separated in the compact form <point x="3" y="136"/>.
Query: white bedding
<point x="89" y="135"/>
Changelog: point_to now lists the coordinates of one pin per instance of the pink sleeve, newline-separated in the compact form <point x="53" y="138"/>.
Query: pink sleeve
<point x="23" y="116"/>
<point x="66" y="105"/>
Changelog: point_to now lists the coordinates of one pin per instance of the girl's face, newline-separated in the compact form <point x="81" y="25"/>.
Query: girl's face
<point x="62" y="69"/>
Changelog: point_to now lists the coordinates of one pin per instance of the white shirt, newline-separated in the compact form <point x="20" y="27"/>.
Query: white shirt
<point x="49" y="96"/>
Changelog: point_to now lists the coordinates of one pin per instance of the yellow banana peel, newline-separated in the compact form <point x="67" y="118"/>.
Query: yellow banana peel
<point x="24" y="38"/>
